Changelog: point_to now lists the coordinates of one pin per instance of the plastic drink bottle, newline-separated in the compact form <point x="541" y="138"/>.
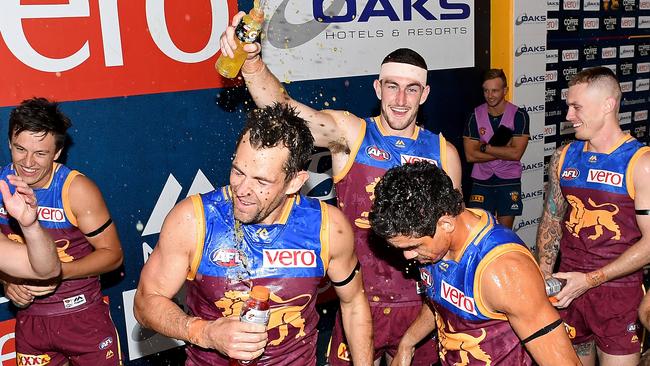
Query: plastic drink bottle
<point x="553" y="287"/>
<point x="247" y="31"/>
<point x="255" y="310"/>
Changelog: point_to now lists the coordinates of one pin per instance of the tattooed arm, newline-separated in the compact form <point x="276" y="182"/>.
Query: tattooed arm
<point x="550" y="227"/>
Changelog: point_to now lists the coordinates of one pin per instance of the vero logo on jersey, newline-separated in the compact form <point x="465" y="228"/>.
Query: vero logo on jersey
<point x="570" y="174"/>
<point x="289" y="258"/>
<point x="457" y="298"/>
<point x="410" y="159"/>
<point x="50" y="214"/>
<point x="225" y="257"/>
<point x="377" y="153"/>
<point x="605" y="177"/>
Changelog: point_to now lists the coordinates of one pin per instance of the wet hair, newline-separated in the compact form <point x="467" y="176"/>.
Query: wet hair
<point x="39" y="115"/>
<point x="600" y="77"/>
<point x="496" y="73"/>
<point x="411" y="198"/>
<point x="406" y="56"/>
<point x="279" y="124"/>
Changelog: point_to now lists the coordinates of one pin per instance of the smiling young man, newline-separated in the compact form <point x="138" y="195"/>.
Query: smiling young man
<point x="362" y="150"/>
<point x="495" y="139"/>
<point x="597" y="215"/>
<point x="486" y="294"/>
<point x="66" y="323"/>
<point x="256" y="231"/>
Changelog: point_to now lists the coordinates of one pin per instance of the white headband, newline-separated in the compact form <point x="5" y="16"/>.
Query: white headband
<point x="398" y="69"/>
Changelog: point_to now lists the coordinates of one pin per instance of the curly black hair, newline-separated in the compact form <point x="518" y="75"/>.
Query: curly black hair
<point x="280" y="124"/>
<point x="39" y="115"/>
<point x="411" y="198"/>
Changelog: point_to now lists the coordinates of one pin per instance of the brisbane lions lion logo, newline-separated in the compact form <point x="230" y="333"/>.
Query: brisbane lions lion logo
<point x="282" y="315"/>
<point x="582" y="217"/>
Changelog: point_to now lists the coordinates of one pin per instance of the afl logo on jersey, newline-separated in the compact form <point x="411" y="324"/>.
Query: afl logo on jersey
<point x="377" y="153"/>
<point x="570" y="173"/>
<point x="225" y="257"/>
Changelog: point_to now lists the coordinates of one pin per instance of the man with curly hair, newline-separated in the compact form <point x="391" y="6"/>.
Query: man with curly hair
<point x="256" y="231"/>
<point x="486" y="294"/>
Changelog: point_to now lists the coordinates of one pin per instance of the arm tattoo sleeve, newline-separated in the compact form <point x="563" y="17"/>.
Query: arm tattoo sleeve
<point x="550" y="227"/>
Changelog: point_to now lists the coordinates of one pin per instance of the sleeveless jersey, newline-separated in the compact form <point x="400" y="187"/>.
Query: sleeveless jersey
<point x="466" y="329"/>
<point x="504" y="169"/>
<point x="600" y="222"/>
<point x="383" y="267"/>
<point x="56" y="217"/>
<point x="290" y="258"/>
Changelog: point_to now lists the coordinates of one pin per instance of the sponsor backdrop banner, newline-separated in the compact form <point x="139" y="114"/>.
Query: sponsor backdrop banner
<point x="153" y="122"/>
<point x="85" y="49"/>
<point x="529" y="78"/>
<point x="589" y="33"/>
<point x="342" y="37"/>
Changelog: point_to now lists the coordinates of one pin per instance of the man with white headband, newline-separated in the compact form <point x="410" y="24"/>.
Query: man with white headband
<point x="362" y="151"/>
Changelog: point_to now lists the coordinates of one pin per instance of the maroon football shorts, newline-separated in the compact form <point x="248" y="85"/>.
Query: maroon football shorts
<point x="607" y="315"/>
<point x="389" y="325"/>
<point x="86" y="337"/>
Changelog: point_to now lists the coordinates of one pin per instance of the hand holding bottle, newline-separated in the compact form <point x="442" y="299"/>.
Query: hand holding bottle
<point x="240" y="41"/>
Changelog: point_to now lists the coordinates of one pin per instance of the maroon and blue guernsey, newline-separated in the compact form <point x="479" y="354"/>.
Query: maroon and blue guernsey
<point x="468" y="332"/>
<point x="385" y="281"/>
<point x="56" y="217"/>
<point x="290" y="258"/>
<point x="600" y="223"/>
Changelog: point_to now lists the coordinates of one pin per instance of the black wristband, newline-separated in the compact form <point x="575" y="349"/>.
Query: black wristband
<point x="642" y="212"/>
<point x="350" y="277"/>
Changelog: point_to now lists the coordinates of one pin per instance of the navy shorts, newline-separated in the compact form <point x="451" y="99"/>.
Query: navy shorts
<point x="500" y="200"/>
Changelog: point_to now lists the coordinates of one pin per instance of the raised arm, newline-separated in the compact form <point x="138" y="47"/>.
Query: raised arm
<point x="549" y="232"/>
<point x="36" y="259"/>
<point x="513" y="286"/>
<point x="355" y="311"/>
<point x="327" y="127"/>
<point x="162" y="277"/>
<point x="632" y="259"/>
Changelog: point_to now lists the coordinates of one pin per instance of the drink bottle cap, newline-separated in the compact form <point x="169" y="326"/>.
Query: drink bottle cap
<point x="257" y="14"/>
<point x="260" y="293"/>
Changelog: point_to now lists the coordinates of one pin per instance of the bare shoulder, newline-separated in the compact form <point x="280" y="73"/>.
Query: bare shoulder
<point x="82" y="187"/>
<point x="512" y="277"/>
<point x="513" y="262"/>
<point x="641" y="177"/>
<point x="338" y="223"/>
<point x="340" y="231"/>
<point x="642" y="166"/>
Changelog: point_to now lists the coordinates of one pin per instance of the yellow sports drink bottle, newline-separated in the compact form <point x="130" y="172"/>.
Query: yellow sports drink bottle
<point x="247" y="31"/>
